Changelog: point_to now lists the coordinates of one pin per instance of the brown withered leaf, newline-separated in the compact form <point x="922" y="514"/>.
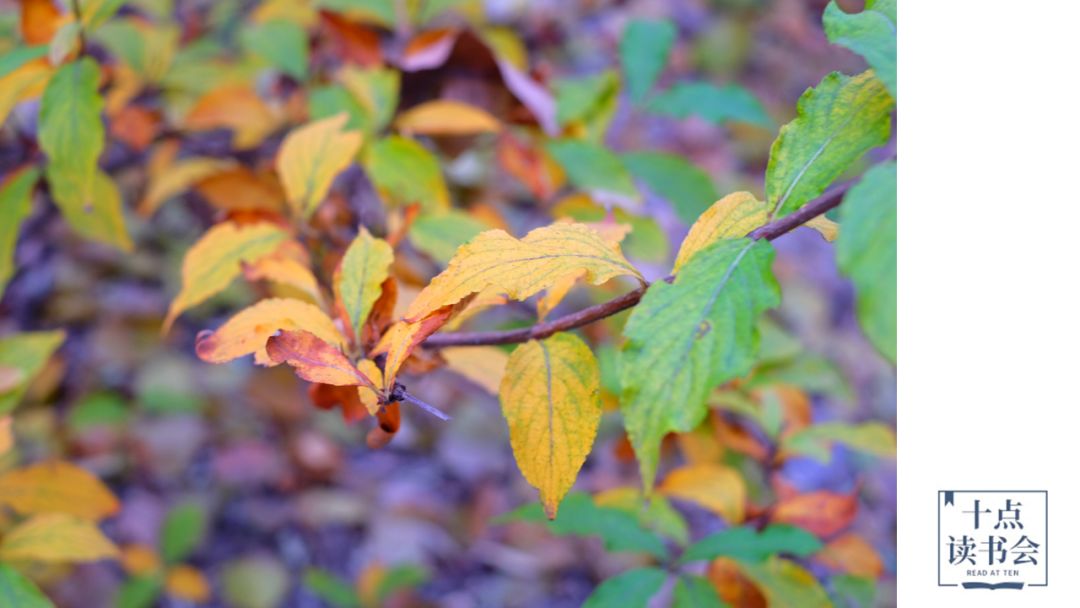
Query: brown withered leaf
<point x="314" y="359"/>
<point x="822" y="512"/>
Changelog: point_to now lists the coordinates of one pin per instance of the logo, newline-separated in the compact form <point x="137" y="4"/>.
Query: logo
<point x="992" y="539"/>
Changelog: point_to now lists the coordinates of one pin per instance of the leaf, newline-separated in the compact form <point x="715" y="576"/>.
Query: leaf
<point x="7" y="440"/>
<point x="787" y="584"/>
<point x="631" y="589"/>
<point x="405" y="172"/>
<point x="358" y="278"/>
<point x="550" y="398"/>
<point x="138" y="592"/>
<point x="404" y="337"/>
<point x="215" y="260"/>
<point x="692" y="591"/>
<point x="850" y="553"/>
<point x="330" y="588"/>
<point x="653" y="513"/>
<point x="26" y="352"/>
<point x="140" y="560"/>
<point x="17" y="590"/>
<point x="592" y="167"/>
<point x="57" y="487"/>
<point x="647" y="240"/>
<point x="56" y="537"/>
<point x="873" y="438"/>
<point x="484" y="365"/>
<point x="63" y="42"/>
<point x="376" y="90"/>
<point x="747" y="544"/>
<point x="177" y="179"/>
<point x="822" y="512"/>
<point x="715" y="487"/>
<point x="38" y="20"/>
<point x="370" y="398"/>
<point x="446" y="117"/>
<point x="311" y="157"/>
<point x="729" y="103"/>
<point x="731" y="217"/>
<point x="866" y="252"/>
<point x="257" y="581"/>
<point x="182" y="531"/>
<point x="241" y="189"/>
<point x="24" y="82"/>
<point x="690" y="335"/>
<point x="283" y="44"/>
<point x="147" y="49"/>
<point x="17" y="57"/>
<point x="97" y="12"/>
<point x="440" y="234"/>
<point x="235" y="107"/>
<point x="586" y="105"/>
<point x="247" y="332"/>
<point x="71" y="132"/>
<point x="580" y="516"/>
<point x="286" y="271"/>
<point x="827" y="228"/>
<point x="187" y="584"/>
<point x="103" y="221"/>
<point x="644" y="50"/>
<point x="871" y="33"/>
<point x="314" y="359"/>
<point x="16" y="195"/>
<point x="837" y="122"/>
<point x="522" y="267"/>
<point x="689" y="189"/>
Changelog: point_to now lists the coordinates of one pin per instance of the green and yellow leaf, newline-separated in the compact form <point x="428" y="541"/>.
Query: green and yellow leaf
<point x="731" y="217"/>
<point x="358" y="279"/>
<point x="57" y="487"/>
<point x="311" y="157"/>
<point x="71" y="132"/>
<point x="56" y="537"/>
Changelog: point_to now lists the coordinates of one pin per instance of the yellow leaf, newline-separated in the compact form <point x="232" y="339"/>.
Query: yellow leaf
<point x="369" y="397"/>
<point x="314" y="360"/>
<point x="57" y="487"/>
<point x="613" y="234"/>
<point x="56" y="537"/>
<point x="186" y="583"/>
<point x="522" y="267"/>
<point x="25" y="82"/>
<point x="731" y="217"/>
<point x="446" y="117"/>
<point x="236" y="107"/>
<point x="715" y="487"/>
<point x="247" y="331"/>
<point x="285" y="271"/>
<point x="311" y="156"/>
<point x="550" y="398"/>
<point x="851" y="554"/>
<point x="484" y="365"/>
<point x="213" y="262"/>
<point x="6" y="438"/>
<point x="177" y="179"/>
<point x="359" y="277"/>
<point x="402" y="339"/>
<point x="827" y="228"/>
<point x="139" y="560"/>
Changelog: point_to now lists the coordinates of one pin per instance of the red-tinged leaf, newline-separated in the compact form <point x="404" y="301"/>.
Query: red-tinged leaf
<point x="851" y="554"/>
<point x="328" y="396"/>
<point x="428" y="49"/>
<point x="823" y="513"/>
<point x="353" y="42"/>
<point x="314" y="359"/>
<point x="733" y="586"/>
<point x="531" y="165"/>
<point x="402" y="339"/>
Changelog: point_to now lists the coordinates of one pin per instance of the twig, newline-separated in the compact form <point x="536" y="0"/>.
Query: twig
<point x="77" y="10"/>
<point x="585" y="316"/>
<point x="400" y="394"/>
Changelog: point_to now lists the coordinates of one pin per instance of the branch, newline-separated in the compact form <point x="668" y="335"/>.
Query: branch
<point x="585" y="316"/>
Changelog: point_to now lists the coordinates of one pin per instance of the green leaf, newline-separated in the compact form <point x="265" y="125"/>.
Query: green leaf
<point x="690" y="335"/>
<point x="376" y="90"/>
<point x="364" y="267"/>
<point x="808" y="372"/>
<point x="397" y="578"/>
<point x="331" y="100"/>
<point x="97" y="12"/>
<point x="654" y="513"/>
<point x="440" y="234"/>
<point x="20" y="56"/>
<point x="146" y="48"/>
<point x="871" y="33"/>
<point x="644" y="51"/>
<point x="256" y="581"/>
<point x="671" y="176"/>
<point x="715" y="104"/>
<point x="28" y="353"/>
<point x="71" y="132"/>
<point x="405" y="172"/>
<point x="692" y="591"/>
<point x="98" y="410"/>
<point x="590" y="166"/>
<point x="282" y="43"/>
<point x="330" y="588"/>
<point x="17" y="590"/>
<point x="837" y="122"/>
<point x="866" y="253"/>
<point x="579" y="516"/>
<point x="786" y="583"/>
<point x="591" y="100"/>
<point x="872" y="438"/>
<point x="631" y="589"/>
<point x="138" y="592"/>
<point x="747" y="544"/>
<point x="104" y="221"/>
<point x="16" y="194"/>
<point x="182" y="531"/>
<point x="853" y="591"/>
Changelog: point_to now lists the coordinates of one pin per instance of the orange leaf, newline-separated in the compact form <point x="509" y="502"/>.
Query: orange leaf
<point x="139" y="560"/>
<point x="247" y="332"/>
<point x="402" y="339"/>
<point x="135" y="126"/>
<point x="236" y="107"/>
<point x="6" y="439"/>
<point x="851" y="554"/>
<point x="824" y="513"/>
<point x="446" y="117"/>
<point x="39" y="21"/>
<point x="733" y="586"/>
<point x="428" y="49"/>
<point x="531" y="165"/>
<point x="186" y="583"/>
<point x="314" y="359"/>
<point x="242" y="189"/>
<point x="354" y="43"/>
<point x="56" y="537"/>
<point x="715" y="487"/>
<point x="57" y="487"/>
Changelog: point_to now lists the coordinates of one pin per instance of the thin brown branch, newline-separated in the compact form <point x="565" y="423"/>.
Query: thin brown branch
<point x="585" y="316"/>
